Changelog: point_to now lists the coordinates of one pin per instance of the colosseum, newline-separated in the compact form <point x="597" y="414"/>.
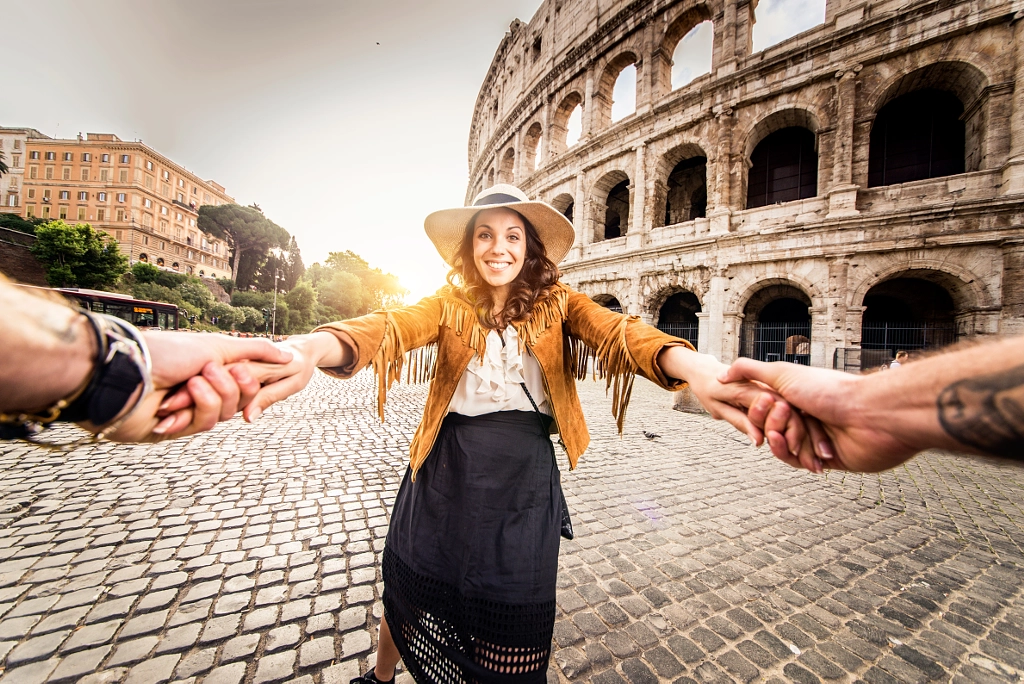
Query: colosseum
<point x="853" y="190"/>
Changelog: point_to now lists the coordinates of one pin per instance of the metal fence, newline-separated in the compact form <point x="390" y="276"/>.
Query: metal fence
<point x="893" y="337"/>
<point x="776" y="342"/>
<point x="856" y="359"/>
<point x="687" y="331"/>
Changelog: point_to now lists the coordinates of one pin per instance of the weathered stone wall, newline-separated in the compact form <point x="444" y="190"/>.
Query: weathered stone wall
<point x="16" y="262"/>
<point x="961" y="232"/>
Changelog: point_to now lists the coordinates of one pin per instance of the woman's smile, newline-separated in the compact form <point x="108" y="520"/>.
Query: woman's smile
<point x="499" y="248"/>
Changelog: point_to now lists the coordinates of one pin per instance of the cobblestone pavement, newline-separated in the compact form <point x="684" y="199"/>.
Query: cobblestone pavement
<point x="251" y="554"/>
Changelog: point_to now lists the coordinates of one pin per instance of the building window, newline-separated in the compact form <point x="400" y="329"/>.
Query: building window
<point x="181" y="182"/>
<point x="33" y="155"/>
<point x="46" y="211"/>
<point x="147" y="220"/>
<point x="81" y="213"/>
<point x="33" y="172"/>
<point x="15" y="161"/>
<point x="118" y="235"/>
<point x="125" y="158"/>
<point x="104" y="175"/>
<point x="46" y="195"/>
<point x="120" y="197"/>
<point x="101" y="214"/>
<point x="66" y="173"/>
<point x="31" y="193"/>
<point x="87" y="156"/>
<point x="65" y="194"/>
<point x="163" y="245"/>
<point x="105" y="158"/>
<point x="165" y="189"/>
<point x="166" y="174"/>
<point x="149" y="182"/>
<point x="149" y="165"/>
<point x="49" y="173"/>
<point x="148" y="203"/>
<point x="145" y="238"/>
<point x="119" y="216"/>
<point x="122" y="176"/>
<point x="30" y="211"/>
<point x="51" y="156"/>
<point x="83" y="196"/>
<point x="101" y="196"/>
<point x="177" y="216"/>
<point x="12" y="200"/>
<point x="67" y="156"/>
<point x="63" y="212"/>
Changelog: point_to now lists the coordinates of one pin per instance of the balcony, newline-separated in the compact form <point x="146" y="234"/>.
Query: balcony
<point x="187" y="207"/>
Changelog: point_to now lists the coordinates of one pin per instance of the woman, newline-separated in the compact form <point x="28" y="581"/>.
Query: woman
<point x="470" y="561"/>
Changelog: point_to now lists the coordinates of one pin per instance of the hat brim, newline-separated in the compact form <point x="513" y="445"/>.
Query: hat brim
<point x="447" y="227"/>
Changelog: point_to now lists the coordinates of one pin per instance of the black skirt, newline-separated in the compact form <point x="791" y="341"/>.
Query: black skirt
<point x="472" y="554"/>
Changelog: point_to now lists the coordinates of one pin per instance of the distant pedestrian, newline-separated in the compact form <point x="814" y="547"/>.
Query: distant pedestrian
<point x="471" y="556"/>
<point x="901" y="358"/>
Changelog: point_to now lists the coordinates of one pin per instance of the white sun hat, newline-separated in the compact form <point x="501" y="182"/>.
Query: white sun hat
<point x="447" y="227"/>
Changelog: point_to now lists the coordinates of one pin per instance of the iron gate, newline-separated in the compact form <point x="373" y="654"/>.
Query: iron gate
<point x="776" y="342"/>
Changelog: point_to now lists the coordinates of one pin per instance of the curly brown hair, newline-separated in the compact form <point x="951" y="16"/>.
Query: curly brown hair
<point x="534" y="282"/>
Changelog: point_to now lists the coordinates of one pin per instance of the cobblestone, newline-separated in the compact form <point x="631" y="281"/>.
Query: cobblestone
<point x="697" y="558"/>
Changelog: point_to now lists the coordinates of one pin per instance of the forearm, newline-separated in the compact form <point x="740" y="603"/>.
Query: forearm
<point x="326" y="349"/>
<point x="967" y="399"/>
<point x="683" y="364"/>
<point x="49" y="350"/>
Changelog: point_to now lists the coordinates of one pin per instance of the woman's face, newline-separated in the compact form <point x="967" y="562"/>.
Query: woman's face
<point x="499" y="246"/>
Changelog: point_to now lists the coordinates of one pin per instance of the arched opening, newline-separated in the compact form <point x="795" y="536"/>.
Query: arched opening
<point x="909" y="313"/>
<point x="616" y="214"/>
<point x="565" y="205"/>
<point x="159" y="261"/>
<point x="687" y="191"/>
<point x="531" y="148"/>
<point x="916" y="136"/>
<point x="144" y="258"/>
<point x="778" y="21"/>
<point x="175" y="266"/>
<point x="188" y="269"/>
<point x="624" y="94"/>
<point x="692" y="55"/>
<point x="611" y="206"/>
<point x="506" y="174"/>
<point x="567" y="125"/>
<point x="777" y="325"/>
<point x="678" y="316"/>
<point x="783" y="168"/>
<point x="615" y="95"/>
<point x="608" y="302"/>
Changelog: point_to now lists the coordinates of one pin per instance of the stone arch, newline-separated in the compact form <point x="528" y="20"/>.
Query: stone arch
<point x="674" y="311"/>
<point x="609" y="302"/>
<point x="607" y="188"/>
<point x="604" y="290"/>
<point x="531" y="152"/>
<point x="968" y="291"/>
<point x="144" y="258"/>
<point x="175" y="266"/>
<point x="507" y="172"/>
<point x="159" y="261"/>
<point x="665" y="186"/>
<point x="784" y="121"/>
<point x="601" y="117"/>
<point x="777" y="321"/>
<point x="560" y="122"/>
<point x="677" y="29"/>
<point x="565" y="204"/>
<point x="961" y="80"/>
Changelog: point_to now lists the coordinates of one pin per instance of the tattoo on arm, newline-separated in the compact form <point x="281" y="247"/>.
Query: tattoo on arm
<point x="987" y="412"/>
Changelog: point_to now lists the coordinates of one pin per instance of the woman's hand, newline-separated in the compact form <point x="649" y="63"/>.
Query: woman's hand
<point x="281" y="381"/>
<point x="730" y="401"/>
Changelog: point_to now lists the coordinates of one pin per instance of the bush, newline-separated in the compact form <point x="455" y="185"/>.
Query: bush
<point x="170" y="279"/>
<point x="197" y="294"/>
<point x="227" y="283"/>
<point x="252" y="319"/>
<point x="145" y="273"/>
<point x="256" y="300"/>
<point x="228" y="317"/>
<point x="153" y="292"/>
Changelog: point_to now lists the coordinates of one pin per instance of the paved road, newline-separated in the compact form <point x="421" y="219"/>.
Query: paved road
<point x="250" y="554"/>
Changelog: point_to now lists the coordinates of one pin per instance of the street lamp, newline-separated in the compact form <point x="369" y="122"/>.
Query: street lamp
<point x="273" y="329"/>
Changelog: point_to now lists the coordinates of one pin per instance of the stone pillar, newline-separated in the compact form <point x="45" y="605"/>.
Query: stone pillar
<point x="728" y="64"/>
<point x="1012" y="316"/>
<point x="715" y="323"/>
<point x="578" y="216"/>
<point x="703" y="331"/>
<point x="721" y="215"/>
<point x="588" y="106"/>
<point x="544" y="150"/>
<point x="842" y="196"/>
<point x="838" y="283"/>
<point x="517" y="161"/>
<point x="635" y="236"/>
<point x="1013" y="171"/>
<point x="819" y="336"/>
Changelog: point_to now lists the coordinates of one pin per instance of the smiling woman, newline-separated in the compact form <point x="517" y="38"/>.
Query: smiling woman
<point x="471" y="555"/>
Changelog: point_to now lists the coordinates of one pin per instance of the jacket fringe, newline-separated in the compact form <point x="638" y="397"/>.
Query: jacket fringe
<point x="388" y="361"/>
<point x="611" y="362"/>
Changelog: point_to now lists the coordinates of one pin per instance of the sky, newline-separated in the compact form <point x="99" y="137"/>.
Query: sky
<point x="347" y="122"/>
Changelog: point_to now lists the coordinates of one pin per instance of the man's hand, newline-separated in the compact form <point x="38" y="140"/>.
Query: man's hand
<point x="834" y="398"/>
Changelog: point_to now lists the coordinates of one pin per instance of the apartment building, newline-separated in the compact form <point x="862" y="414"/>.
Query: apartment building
<point x="13" y="144"/>
<point x="149" y="204"/>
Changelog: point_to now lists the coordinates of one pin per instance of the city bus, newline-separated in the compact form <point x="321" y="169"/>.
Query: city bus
<point x="138" y="312"/>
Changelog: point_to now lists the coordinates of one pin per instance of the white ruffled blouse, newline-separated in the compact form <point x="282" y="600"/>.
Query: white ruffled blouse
<point x="493" y="385"/>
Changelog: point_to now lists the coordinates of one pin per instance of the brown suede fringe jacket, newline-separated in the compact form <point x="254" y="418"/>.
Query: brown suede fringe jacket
<point x="435" y="339"/>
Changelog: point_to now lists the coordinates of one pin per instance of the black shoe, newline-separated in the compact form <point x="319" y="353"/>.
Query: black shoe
<point x="370" y="678"/>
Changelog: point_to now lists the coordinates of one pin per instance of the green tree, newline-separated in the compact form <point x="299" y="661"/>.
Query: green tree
<point x="145" y="273"/>
<point x="3" y="165"/>
<point x="257" y="300"/>
<point x="301" y="300"/>
<point x="170" y="279"/>
<point x="227" y="283"/>
<point x="293" y="267"/>
<point x="247" y="231"/>
<point x="15" y="222"/>
<point x="78" y="255"/>
<point x="154" y="292"/>
<point x="343" y="293"/>
<point x="228" y="317"/>
<point x="252" y="319"/>
<point x="197" y="294"/>
<point x="379" y="289"/>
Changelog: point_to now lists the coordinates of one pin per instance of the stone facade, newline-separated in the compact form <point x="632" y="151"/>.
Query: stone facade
<point x="13" y="144"/>
<point x="851" y="258"/>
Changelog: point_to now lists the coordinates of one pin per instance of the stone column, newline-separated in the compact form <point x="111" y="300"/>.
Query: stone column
<point x="578" y="212"/>
<point x="721" y="215"/>
<point x="637" y="230"/>
<point x="1012" y="316"/>
<point x="842" y="196"/>
<point x="1013" y="171"/>
<point x="838" y="283"/>
<point x="544" y="149"/>
<point x="728" y="64"/>
<point x="588" y="106"/>
<point x="517" y="161"/>
<point x="819" y="336"/>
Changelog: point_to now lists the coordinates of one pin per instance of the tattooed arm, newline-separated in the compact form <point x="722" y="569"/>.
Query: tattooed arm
<point x="970" y="398"/>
